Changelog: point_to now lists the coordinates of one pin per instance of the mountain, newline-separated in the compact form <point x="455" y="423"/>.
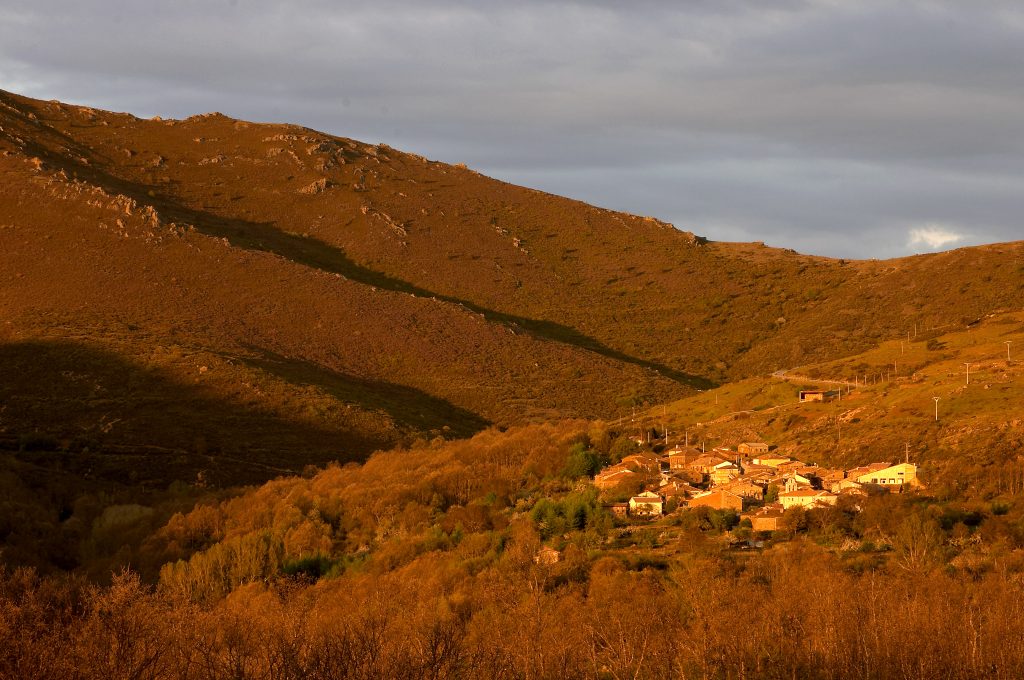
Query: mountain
<point x="252" y="298"/>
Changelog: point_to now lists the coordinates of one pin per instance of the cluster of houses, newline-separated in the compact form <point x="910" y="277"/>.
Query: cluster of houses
<point x="750" y="480"/>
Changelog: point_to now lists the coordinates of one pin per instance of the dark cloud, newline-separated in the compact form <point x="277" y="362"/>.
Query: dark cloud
<point x="857" y="129"/>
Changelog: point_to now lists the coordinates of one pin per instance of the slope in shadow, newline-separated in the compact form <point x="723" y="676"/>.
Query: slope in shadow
<point x="91" y="413"/>
<point x="405" y="404"/>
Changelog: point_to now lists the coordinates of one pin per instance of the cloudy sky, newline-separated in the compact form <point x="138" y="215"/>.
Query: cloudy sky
<point x="846" y="128"/>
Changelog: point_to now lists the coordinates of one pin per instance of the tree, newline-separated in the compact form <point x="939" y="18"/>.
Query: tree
<point x="581" y="462"/>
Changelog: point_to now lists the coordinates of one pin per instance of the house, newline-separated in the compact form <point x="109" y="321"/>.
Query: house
<point x="828" y="478"/>
<point x="612" y="477"/>
<point x="768" y="518"/>
<point x="724" y="472"/>
<point x="720" y="499"/>
<point x="705" y="463"/>
<point x="760" y="476"/>
<point x="807" y="498"/>
<point x="811" y="471"/>
<point x="679" y="458"/>
<point x="678" y="489"/>
<point x="617" y="509"/>
<point x="752" y="447"/>
<point x="692" y="451"/>
<point x="642" y="463"/>
<point x="750" y="467"/>
<point x="745" y="489"/>
<point x="772" y="461"/>
<point x="818" y="395"/>
<point x="688" y="476"/>
<point x="854" y="473"/>
<point x="893" y="478"/>
<point x="847" y="486"/>
<point x="791" y="466"/>
<point x="647" y="504"/>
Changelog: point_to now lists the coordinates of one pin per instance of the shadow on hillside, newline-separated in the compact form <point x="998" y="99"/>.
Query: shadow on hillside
<point x="89" y="412"/>
<point x="319" y="255"/>
<point x="265" y="236"/>
<point x="406" y="405"/>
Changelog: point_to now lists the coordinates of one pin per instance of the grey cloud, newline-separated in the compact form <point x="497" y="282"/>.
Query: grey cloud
<point x="830" y="127"/>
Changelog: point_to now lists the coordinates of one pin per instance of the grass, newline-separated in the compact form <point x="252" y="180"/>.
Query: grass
<point x="979" y="424"/>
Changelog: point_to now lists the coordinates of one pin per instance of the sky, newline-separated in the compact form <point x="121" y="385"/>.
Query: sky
<point x="865" y="129"/>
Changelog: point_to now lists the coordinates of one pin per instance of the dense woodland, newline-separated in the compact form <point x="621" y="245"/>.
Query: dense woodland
<point x="424" y="563"/>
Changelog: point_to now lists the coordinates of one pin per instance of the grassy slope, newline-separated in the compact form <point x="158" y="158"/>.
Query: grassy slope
<point x="975" y="443"/>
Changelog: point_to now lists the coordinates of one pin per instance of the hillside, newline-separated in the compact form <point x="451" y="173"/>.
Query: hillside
<point x="269" y="288"/>
<point x="973" y="449"/>
<point x="131" y="320"/>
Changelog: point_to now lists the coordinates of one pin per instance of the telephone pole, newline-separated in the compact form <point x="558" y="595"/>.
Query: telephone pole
<point x="664" y="424"/>
<point x="968" y="365"/>
<point x="1007" y="343"/>
<point x="936" y="408"/>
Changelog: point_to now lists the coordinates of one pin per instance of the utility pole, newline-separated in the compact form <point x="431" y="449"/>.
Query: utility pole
<point x="664" y="424"/>
<point x="968" y="365"/>
<point x="1007" y="343"/>
<point x="936" y="408"/>
<point x="907" y="446"/>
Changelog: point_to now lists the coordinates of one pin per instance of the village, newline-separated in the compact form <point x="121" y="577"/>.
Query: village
<point x="751" y="480"/>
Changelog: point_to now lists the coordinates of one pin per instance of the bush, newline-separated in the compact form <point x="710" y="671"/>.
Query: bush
<point x="581" y="462"/>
